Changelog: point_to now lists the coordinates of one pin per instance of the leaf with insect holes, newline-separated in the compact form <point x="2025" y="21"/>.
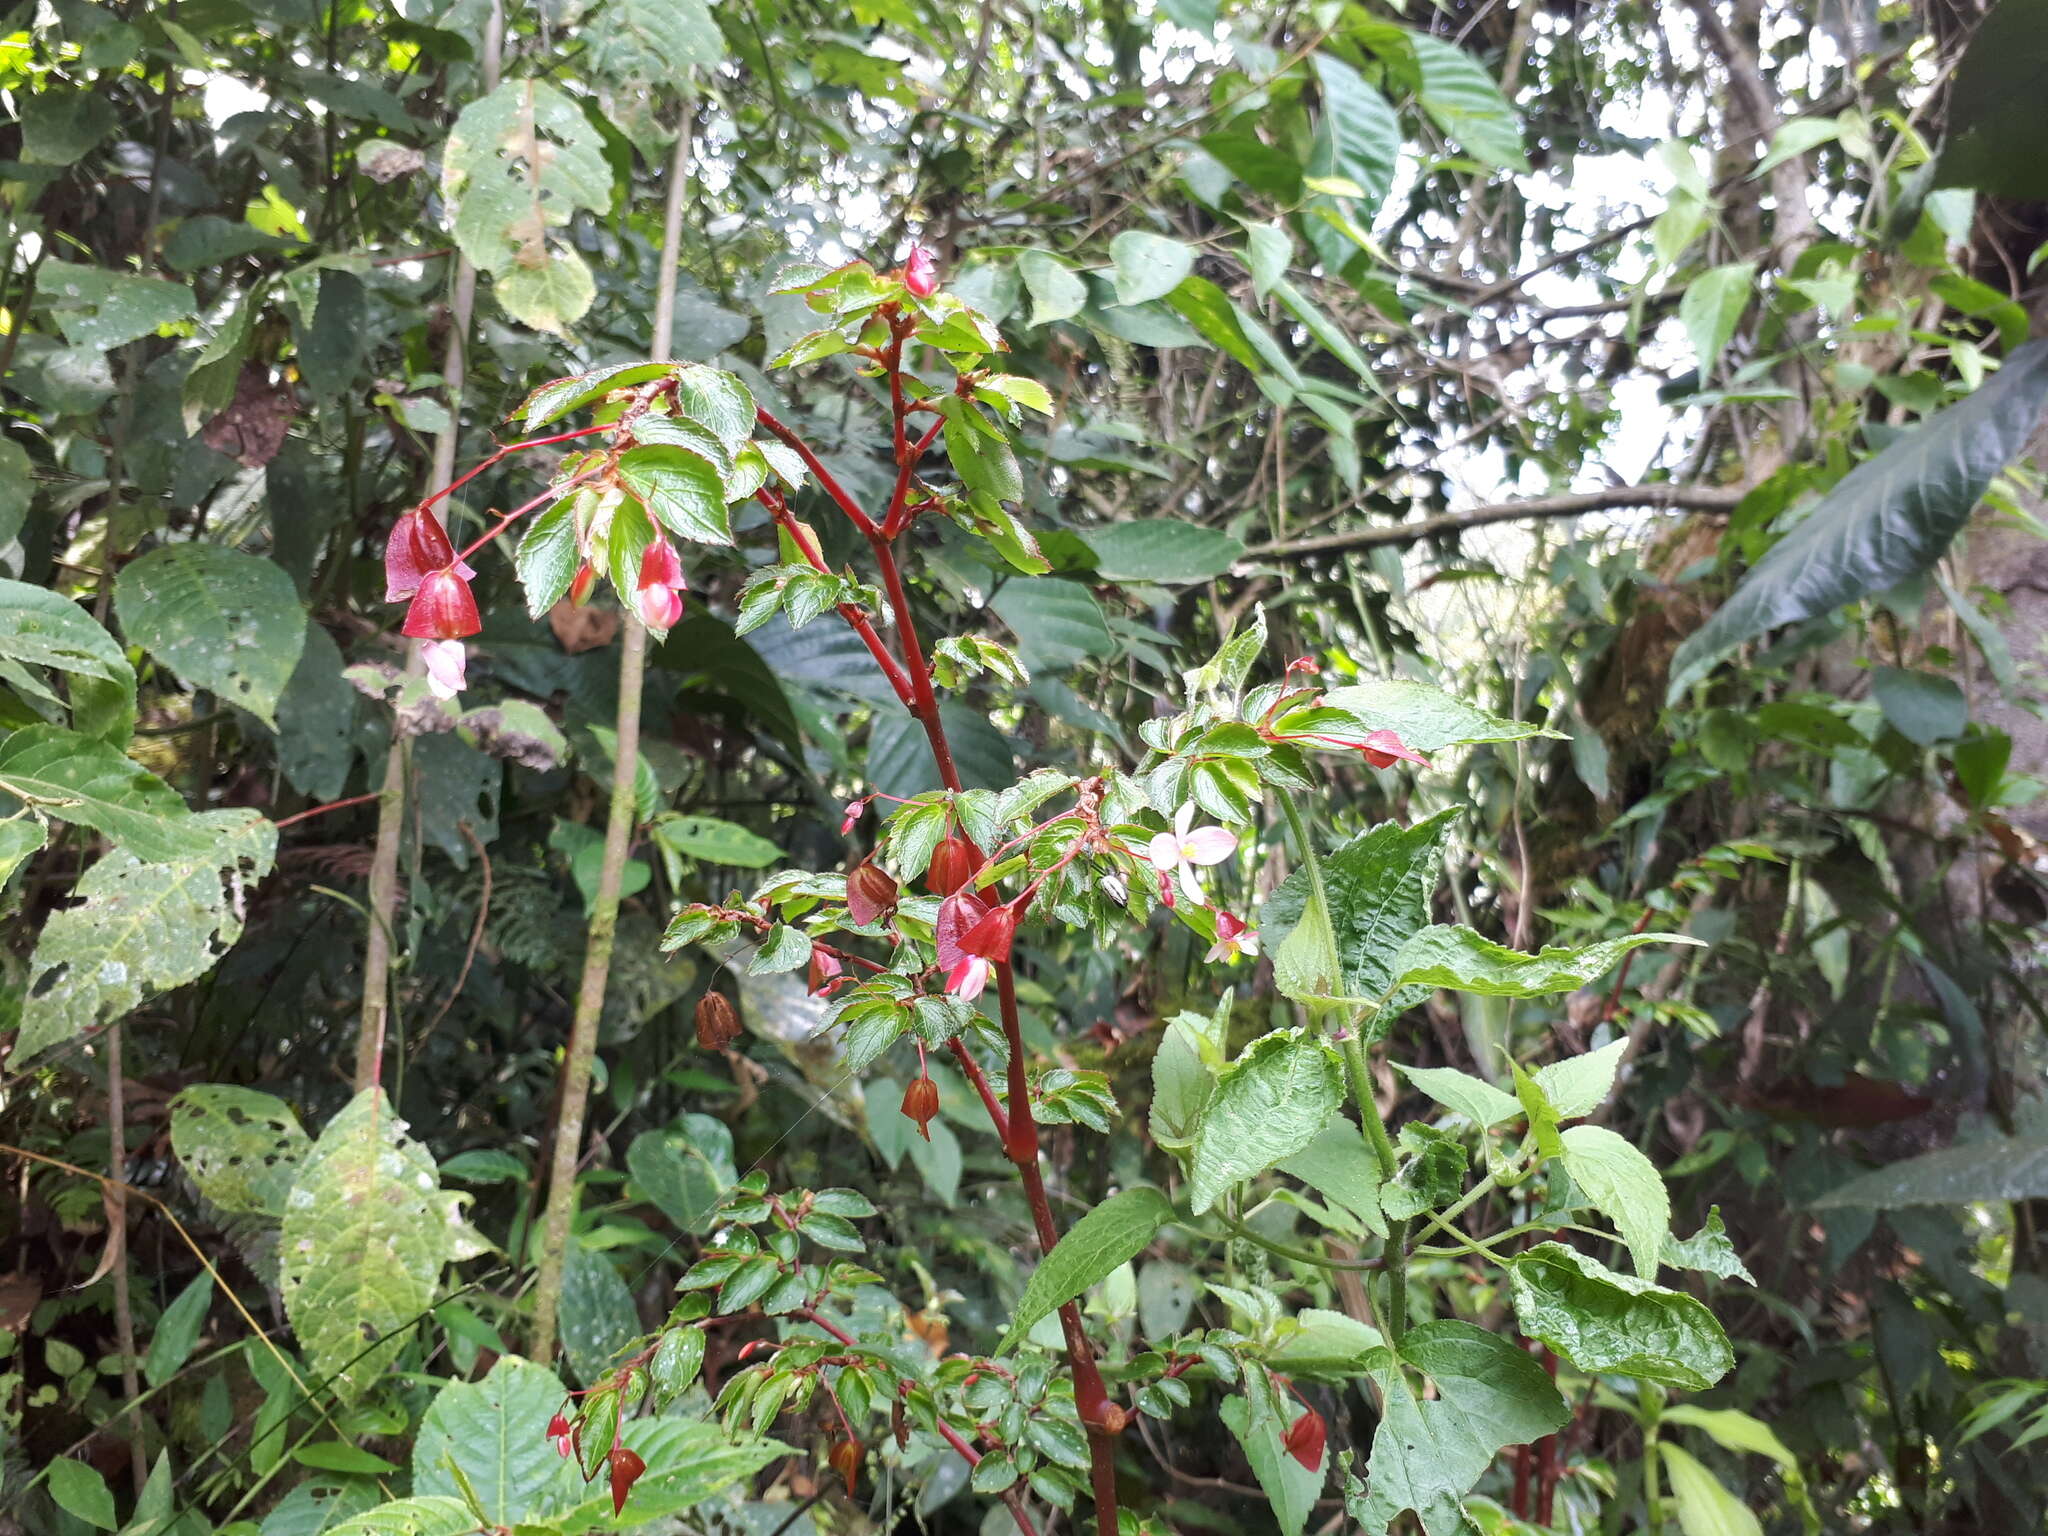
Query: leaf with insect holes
<point x="141" y="929"/>
<point x="367" y="1233"/>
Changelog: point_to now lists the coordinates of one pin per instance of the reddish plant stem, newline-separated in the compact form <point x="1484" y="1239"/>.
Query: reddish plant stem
<point x="332" y="805"/>
<point x="861" y="624"/>
<point x="507" y="519"/>
<point x="826" y="480"/>
<point x="975" y="1076"/>
<point x="1018" y="1129"/>
<point x="505" y="453"/>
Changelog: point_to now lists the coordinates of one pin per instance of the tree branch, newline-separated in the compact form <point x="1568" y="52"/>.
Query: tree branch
<point x="1690" y="498"/>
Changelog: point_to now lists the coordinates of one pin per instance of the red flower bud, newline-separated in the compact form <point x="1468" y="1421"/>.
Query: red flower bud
<point x="957" y="913"/>
<point x="845" y="1458"/>
<point x="626" y="1469"/>
<point x="660" y="565"/>
<point x="990" y="938"/>
<point x="418" y="544"/>
<point x="443" y="608"/>
<point x="557" y="1427"/>
<point x="1382" y="748"/>
<point x="921" y="1103"/>
<point x="717" y="1025"/>
<point x="580" y="584"/>
<point x="921" y="272"/>
<point x="825" y="969"/>
<point x="1304" y="1441"/>
<point x="954" y="862"/>
<point x="871" y="893"/>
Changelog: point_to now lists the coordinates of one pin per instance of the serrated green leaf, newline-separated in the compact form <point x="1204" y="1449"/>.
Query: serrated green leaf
<point x="682" y="489"/>
<point x="219" y="618"/>
<point x="1112" y="1234"/>
<point x="1429" y="1452"/>
<point x="1625" y="1187"/>
<point x="1425" y="718"/>
<point x="1601" y="1321"/>
<point x="1474" y="1098"/>
<point x="687" y="1463"/>
<point x="141" y="929"/>
<point x="1269" y="1104"/>
<point x="436" y="1516"/>
<point x="367" y="1233"/>
<point x="1578" y="1085"/>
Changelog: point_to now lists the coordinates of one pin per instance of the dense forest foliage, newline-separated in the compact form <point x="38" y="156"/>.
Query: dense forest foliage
<point x="1215" y="767"/>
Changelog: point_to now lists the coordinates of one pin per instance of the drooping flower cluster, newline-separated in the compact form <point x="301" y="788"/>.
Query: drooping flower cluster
<point x="420" y="563"/>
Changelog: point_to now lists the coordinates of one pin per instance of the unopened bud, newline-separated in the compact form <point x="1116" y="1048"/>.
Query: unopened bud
<point x="921" y="272"/>
<point x="871" y="893"/>
<point x="845" y="1458"/>
<point x="626" y="1469"/>
<point x="954" y="862"/>
<point x="825" y="970"/>
<point x="717" y="1024"/>
<point x="921" y="1103"/>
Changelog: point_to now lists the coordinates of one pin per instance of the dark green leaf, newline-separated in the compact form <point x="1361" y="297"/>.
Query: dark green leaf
<point x="1115" y="1232"/>
<point x="1891" y="517"/>
<point x="1163" y="550"/>
<point x="219" y="618"/>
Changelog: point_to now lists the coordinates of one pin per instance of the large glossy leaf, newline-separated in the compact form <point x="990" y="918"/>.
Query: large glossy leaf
<point x="1463" y="961"/>
<point x="141" y="929"/>
<point x="1428" y="1452"/>
<point x="1057" y="622"/>
<point x="1462" y="99"/>
<point x="685" y="1169"/>
<point x="1269" y="1104"/>
<point x="1114" y="1233"/>
<point x="367" y="1232"/>
<point x="493" y="1430"/>
<point x="1890" y="518"/>
<point x="221" y="619"/>
<point x="1360" y="137"/>
<point x="1997" y="1168"/>
<point x="1703" y="1505"/>
<point x="1148" y="266"/>
<point x="598" y="1316"/>
<point x="1601" y="1321"/>
<point x="1163" y="550"/>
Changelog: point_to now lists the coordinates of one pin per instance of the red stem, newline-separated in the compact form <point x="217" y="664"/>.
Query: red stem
<point x="507" y="519"/>
<point x="506" y="453"/>
<point x="975" y="1076"/>
<point x="332" y="805"/>
<point x="862" y="625"/>
<point x="826" y="480"/>
<point x="1019" y="1130"/>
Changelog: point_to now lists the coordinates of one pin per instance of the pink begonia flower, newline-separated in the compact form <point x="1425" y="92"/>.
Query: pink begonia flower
<point x="966" y="979"/>
<point x="1233" y="938"/>
<point x="1186" y="846"/>
<point x="447" y="662"/>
